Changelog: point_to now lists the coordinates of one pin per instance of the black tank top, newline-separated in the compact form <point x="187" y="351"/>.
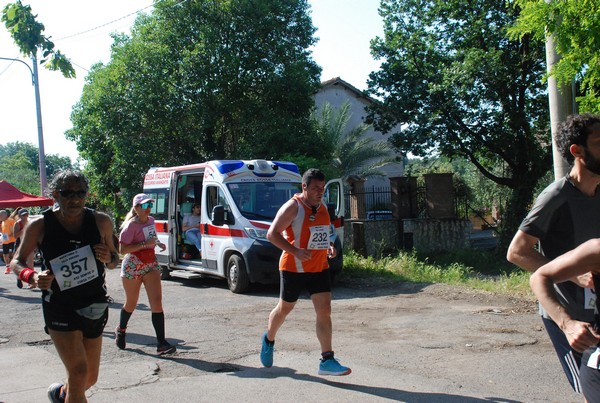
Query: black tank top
<point x="57" y="242"/>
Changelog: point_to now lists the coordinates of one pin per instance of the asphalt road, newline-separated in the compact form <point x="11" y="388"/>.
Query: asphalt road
<point x="411" y="343"/>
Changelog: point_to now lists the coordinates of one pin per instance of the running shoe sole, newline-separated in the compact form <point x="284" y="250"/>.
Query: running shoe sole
<point x="167" y="350"/>
<point x="347" y="372"/>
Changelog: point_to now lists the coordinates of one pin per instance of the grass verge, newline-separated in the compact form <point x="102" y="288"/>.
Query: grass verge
<point x="471" y="268"/>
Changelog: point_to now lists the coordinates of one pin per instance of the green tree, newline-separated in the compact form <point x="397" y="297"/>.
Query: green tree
<point x="28" y="36"/>
<point x="19" y="166"/>
<point x="455" y="84"/>
<point x="17" y="170"/>
<point x="352" y="153"/>
<point x="199" y="80"/>
<point x="575" y="26"/>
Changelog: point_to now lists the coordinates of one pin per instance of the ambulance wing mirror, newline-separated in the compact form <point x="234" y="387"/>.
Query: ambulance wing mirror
<point x="218" y="215"/>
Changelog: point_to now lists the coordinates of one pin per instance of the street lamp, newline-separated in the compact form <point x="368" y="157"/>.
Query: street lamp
<point x="36" y="86"/>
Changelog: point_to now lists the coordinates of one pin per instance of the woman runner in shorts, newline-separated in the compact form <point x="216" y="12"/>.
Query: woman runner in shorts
<point x="137" y="241"/>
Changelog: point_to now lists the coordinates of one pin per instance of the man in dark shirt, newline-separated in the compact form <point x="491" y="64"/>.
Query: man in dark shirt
<point x="565" y="215"/>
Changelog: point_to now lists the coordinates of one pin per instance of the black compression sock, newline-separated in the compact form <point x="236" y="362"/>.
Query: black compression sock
<point x="158" y="321"/>
<point x="327" y="355"/>
<point x="124" y="319"/>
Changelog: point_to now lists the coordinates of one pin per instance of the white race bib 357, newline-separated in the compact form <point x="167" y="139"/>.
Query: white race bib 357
<point x="75" y="268"/>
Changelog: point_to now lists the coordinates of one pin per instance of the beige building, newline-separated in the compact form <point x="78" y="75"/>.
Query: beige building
<point x="337" y="91"/>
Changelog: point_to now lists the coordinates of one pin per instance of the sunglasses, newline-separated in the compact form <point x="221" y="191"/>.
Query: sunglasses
<point x="68" y="194"/>
<point x="147" y="205"/>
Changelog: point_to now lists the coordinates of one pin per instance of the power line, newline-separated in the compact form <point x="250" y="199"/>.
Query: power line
<point x="118" y="19"/>
<point x="81" y="67"/>
<point x="7" y="67"/>
<point x="104" y="25"/>
<point x="90" y="30"/>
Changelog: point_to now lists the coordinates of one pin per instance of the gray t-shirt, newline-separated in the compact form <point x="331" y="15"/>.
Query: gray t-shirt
<point x="191" y="220"/>
<point x="563" y="218"/>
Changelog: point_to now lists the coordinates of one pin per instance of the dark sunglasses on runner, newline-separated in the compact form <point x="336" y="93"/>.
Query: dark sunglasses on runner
<point x="147" y="205"/>
<point x="70" y="193"/>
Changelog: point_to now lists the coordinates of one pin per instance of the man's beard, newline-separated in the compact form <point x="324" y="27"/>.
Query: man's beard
<point x="591" y="163"/>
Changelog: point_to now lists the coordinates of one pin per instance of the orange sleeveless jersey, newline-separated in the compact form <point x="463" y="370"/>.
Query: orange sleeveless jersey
<point x="299" y="234"/>
<point x="7" y="230"/>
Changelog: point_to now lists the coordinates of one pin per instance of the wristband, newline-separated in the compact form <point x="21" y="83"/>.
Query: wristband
<point x="27" y="274"/>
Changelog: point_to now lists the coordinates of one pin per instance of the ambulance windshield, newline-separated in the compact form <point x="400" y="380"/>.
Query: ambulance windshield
<point x="261" y="201"/>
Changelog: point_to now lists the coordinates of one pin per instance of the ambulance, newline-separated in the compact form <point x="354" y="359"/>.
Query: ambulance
<point x="239" y="200"/>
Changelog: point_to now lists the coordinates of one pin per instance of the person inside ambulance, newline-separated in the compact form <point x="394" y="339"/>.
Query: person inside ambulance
<point x="191" y="226"/>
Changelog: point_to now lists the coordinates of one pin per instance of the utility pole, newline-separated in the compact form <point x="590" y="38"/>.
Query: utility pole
<point x="41" y="153"/>
<point x="38" y="109"/>
<point x="562" y="103"/>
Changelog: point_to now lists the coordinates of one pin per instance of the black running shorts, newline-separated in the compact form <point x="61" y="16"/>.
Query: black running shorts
<point x="292" y="284"/>
<point x="590" y="378"/>
<point x="8" y="248"/>
<point x="64" y="319"/>
<point x="569" y="358"/>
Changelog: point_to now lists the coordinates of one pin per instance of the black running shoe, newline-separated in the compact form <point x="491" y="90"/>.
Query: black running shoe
<point x="55" y="393"/>
<point x="120" y="338"/>
<point x="165" y="348"/>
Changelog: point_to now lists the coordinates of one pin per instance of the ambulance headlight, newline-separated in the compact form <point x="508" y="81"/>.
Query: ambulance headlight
<point x="256" y="233"/>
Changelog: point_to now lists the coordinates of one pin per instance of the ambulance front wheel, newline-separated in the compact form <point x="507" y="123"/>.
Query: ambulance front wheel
<point x="237" y="276"/>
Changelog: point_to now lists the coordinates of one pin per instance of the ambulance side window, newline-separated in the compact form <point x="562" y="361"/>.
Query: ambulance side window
<point x="215" y="196"/>
<point x="161" y="207"/>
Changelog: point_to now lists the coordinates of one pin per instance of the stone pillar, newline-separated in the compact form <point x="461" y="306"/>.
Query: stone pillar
<point x="357" y="198"/>
<point x="439" y="194"/>
<point x="359" y="243"/>
<point x="404" y="196"/>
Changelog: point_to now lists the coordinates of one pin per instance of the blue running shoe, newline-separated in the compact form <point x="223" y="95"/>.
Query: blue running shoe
<point x="332" y="366"/>
<point x="266" y="353"/>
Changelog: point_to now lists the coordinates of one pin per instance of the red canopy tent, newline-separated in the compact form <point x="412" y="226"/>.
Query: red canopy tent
<point x="11" y="197"/>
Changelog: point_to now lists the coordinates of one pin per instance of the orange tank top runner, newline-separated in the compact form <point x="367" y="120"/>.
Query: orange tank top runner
<point x="308" y="231"/>
<point x="7" y="231"/>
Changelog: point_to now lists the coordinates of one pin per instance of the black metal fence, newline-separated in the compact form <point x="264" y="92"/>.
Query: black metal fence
<point x="378" y="201"/>
<point x="374" y="199"/>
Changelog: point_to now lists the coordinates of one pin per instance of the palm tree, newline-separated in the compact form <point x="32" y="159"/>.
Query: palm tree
<point x="354" y="153"/>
